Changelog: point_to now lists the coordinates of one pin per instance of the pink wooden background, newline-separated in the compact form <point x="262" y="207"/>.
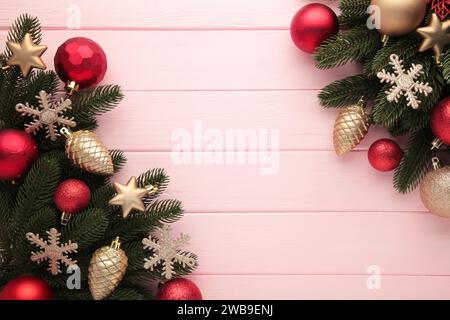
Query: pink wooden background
<point x="312" y="230"/>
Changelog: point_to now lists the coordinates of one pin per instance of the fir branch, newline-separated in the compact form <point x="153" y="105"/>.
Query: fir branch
<point x="405" y="48"/>
<point x="446" y="66"/>
<point x="387" y="113"/>
<point x="353" y="45"/>
<point x="348" y="91"/>
<point x="119" y="159"/>
<point x="24" y="24"/>
<point x="86" y="228"/>
<point x="96" y="101"/>
<point x="353" y="13"/>
<point x="154" y="177"/>
<point x="36" y="191"/>
<point x="125" y="294"/>
<point x="167" y="210"/>
<point x="415" y="163"/>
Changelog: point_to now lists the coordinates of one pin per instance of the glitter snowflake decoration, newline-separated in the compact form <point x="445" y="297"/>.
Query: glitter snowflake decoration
<point x="48" y="114"/>
<point x="52" y="250"/>
<point x="167" y="251"/>
<point x="404" y="82"/>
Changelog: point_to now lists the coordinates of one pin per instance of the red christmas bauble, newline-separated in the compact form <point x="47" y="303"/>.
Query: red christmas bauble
<point x="72" y="196"/>
<point x="81" y="60"/>
<point x="18" y="152"/>
<point x="385" y="155"/>
<point x="312" y="25"/>
<point x="26" y="288"/>
<point x="179" y="289"/>
<point x="440" y="121"/>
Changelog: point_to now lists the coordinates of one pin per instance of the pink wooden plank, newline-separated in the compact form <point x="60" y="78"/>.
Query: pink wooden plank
<point x="157" y="14"/>
<point x="319" y="243"/>
<point x="150" y="118"/>
<point x="304" y="287"/>
<point x="306" y="181"/>
<point x="209" y="60"/>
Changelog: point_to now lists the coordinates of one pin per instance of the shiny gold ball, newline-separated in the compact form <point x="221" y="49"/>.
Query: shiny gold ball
<point x="435" y="192"/>
<point x="398" y="17"/>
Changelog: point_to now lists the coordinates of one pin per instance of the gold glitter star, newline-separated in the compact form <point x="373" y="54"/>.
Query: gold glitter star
<point x="436" y="35"/>
<point x="26" y="55"/>
<point x="129" y="196"/>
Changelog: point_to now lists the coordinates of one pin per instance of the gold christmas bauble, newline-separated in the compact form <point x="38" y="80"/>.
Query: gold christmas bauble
<point x="398" y="17"/>
<point x="87" y="152"/>
<point x="350" y="128"/>
<point x="106" y="270"/>
<point x="435" y="191"/>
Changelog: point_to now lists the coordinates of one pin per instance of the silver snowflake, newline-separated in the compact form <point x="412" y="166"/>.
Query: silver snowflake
<point x="167" y="251"/>
<point x="404" y="82"/>
<point x="48" y="114"/>
<point x="52" y="250"/>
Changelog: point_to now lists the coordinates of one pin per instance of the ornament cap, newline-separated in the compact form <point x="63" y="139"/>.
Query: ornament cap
<point x="65" y="218"/>
<point x="151" y="189"/>
<point x="72" y="87"/>
<point x="66" y="132"/>
<point x="436" y="144"/>
<point x="115" y="244"/>
<point x="435" y="163"/>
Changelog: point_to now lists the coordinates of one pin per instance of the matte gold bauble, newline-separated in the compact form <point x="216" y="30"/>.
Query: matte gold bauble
<point x="399" y="17"/>
<point x="435" y="191"/>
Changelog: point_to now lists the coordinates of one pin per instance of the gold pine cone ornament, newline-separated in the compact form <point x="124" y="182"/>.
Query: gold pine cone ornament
<point x="351" y="126"/>
<point x="87" y="152"/>
<point x="106" y="270"/>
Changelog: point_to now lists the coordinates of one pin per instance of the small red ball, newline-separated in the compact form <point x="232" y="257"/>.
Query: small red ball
<point x="312" y="25"/>
<point x="179" y="289"/>
<point x="26" y="288"/>
<point x="385" y="155"/>
<point x="81" y="60"/>
<point x="440" y="121"/>
<point x="72" y="196"/>
<point x="18" y="152"/>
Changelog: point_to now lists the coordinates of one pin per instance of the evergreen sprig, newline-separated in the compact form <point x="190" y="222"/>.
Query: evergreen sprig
<point x="27" y="205"/>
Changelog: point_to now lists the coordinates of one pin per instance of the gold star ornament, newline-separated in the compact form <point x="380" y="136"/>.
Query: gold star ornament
<point x="26" y="55"/>
<point x="130" y="196"/>
<point x="435" y="36"/>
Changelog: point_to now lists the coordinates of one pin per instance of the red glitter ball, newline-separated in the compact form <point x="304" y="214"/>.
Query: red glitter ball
<point x="81" y="60"/>
<point x="18" y="152"/>
<point x="72" y="196"/>
<point x="179" y="289"/>
<point x="385" y="155"/>
<point x="440" y="121"/>
<point x="26" y="288"/>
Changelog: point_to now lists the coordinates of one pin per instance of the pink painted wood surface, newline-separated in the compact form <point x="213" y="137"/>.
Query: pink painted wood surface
<point x="303" y="124"/>
<point x="202" y="60"/>
<point x="157" y="14"/>
<point x="319" y="243"/>
<point x="309" y="231"/>
<point x="307" y="181"/>
<point x="322" y="287"/>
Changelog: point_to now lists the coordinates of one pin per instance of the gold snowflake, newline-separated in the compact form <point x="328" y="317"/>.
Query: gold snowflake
<point x="52" y="250"/>
<point x="48" y="114"/>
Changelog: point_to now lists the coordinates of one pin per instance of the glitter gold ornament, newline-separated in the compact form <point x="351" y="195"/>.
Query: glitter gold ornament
<point x="398" y="17"/>
<point x="350" y="128"/>
<point x="435" y="36"/>
<point x="26" y="55"/>
<point x="87" y="152"/>
<point x="130" y="196"/>
<point x="435" y="190"/>
<point x="106" y="270"/>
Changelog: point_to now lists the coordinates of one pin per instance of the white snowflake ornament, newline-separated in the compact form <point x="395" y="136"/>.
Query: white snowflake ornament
<point x="48" y="114"/>
<point x="404" y="83"/>
<point x="167" y="251"/>
<point x="52" y="250"/>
